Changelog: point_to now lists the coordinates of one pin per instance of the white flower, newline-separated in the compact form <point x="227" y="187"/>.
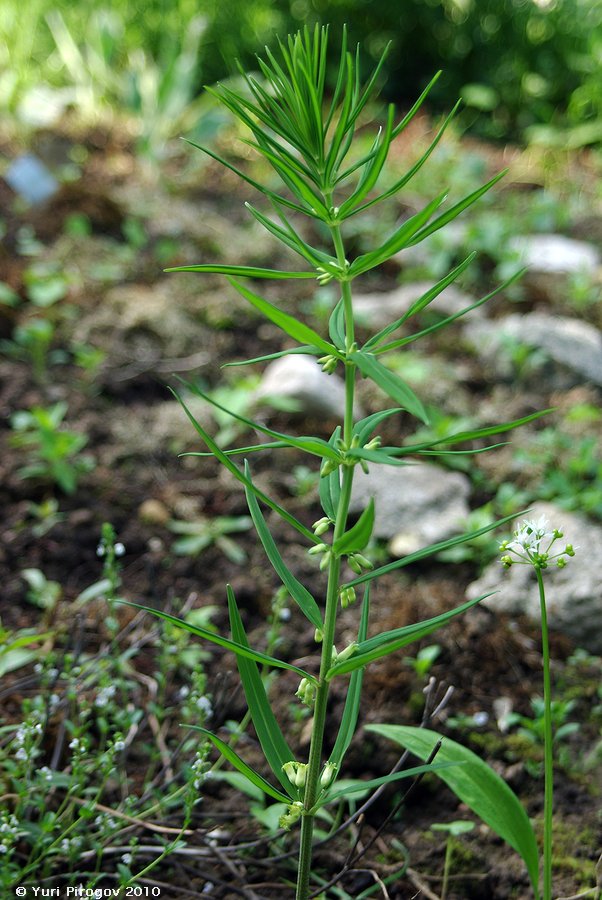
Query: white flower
<point x="126" y="858"/>
<point x="531" y="544"/>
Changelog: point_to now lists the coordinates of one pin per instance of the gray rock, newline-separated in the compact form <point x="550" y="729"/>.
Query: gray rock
<point x="555" y="253"/>
<point x="299" y="379"/>
<point x="570" y="343"/>
<point x="415" y="505"/>
<point x="573" y="594"/>
<point x="378" y="310"/>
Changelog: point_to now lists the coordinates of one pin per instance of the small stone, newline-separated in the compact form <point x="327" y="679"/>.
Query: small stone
<point x="415" y="505"/>
<point x="555" y="253"/>
<point x="299" y="380"/>
<point x="153" y="512"/>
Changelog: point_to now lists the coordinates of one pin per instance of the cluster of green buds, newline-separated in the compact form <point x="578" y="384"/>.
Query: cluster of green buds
<point x="296" y="772"/>
<point x="531" y="545"/>
<point x="322" y="550"/>
<point x="328" y="363"/>
<point x="347" y="596"/>
<point x="306" y="692"/>
<point x="292" y="815"/>
<point x="358" y="562"/>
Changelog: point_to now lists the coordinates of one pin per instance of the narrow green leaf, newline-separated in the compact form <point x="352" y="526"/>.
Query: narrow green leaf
<point x="243" y="271"/>
<point x="336" y="325"/>
<point x="273" y="743"/>
<point x="358" y="786"/>
<point x="420" y="304"/>
<point x="364" y="428"/>
<point x="372" y="169"/>
<point x="228" y="464"/>
<point x="299" y="331"/>
<point x="241" y="650"/>
<point x="298" y="592"/>
<point x="473" y="434"/>
<point x="315" y="446"/>
<point x="402" y="342"/>
<point x="293" y="351"/>
<point x="254" y="777"/>
<point x="357" y="537"/>
<point x="381" y="456"/>
<point x="400" y="238"/>
<point x="476" y="785"/>
<point x="390" y="383"/>
<point x="354" y="696"/>
<point x="389" y="641"/>
<point x="455" y="210"/>
<point x="329" y="486"/>
<point x="430" y="550"/>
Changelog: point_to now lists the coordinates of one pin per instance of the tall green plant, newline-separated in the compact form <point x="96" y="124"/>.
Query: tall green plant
<point x="309" y="141"/>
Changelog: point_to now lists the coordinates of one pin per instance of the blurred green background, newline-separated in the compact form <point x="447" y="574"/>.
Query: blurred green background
<point x="526" y="69"/>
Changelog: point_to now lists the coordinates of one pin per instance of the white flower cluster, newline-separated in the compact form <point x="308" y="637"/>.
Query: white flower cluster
<point x="9" y="831"/>
<point x="25" y="740"/>
<point x="531" y="545"/>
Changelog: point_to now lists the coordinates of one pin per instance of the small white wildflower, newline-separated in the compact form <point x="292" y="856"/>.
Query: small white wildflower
<point x="3" y="848"/>
<point x="53" y="702"/>
<point x="75" y="744"/>
<point x="285" y="614"/>
<point x="38" y="668"/>
<point x="46" y="773"/>
<point x="531" y="545"/>
<point x="118" y="746"/>
<point x="119" y="549"/>
<point x="183" y="692"/>
<point x="204" y="704"/>
<point x="21" y="753"/>
<point x="127" y="858"/>
<point x="480" y="718"/>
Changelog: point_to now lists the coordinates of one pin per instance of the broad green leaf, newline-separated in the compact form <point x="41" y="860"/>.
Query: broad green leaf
<point x="241" y="650"/>
<point x="228" y="464"/>
<point x="353" y="786"/>
<point x="390" y="383"/>
<point x="254" y="777"/>
<point x="389" y="641"/>
<point x="243" y="271"/>
<point x="455" y="210"/>
<point x="477" y="785"/>
<point x="356" y="538"/>
<point x="354" y="696"/>
<point x="275" y="748"/>
<point x="299" y="331"/>
<point x="430" y="550"/>
<point x="298" y="592"/>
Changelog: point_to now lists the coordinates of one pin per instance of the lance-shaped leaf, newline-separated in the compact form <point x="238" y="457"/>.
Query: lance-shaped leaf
<point x="401" y="238"/>
<point x="275" y="748"/>
<point x="358" y="786"/>
<point x="298" y="592"/>
<point x="329" y="486"/>
<point x="430" y="550"/>
<point x="390" y="383"/>
<point x="336" y="325"/>
<point x="299" y="331"/>
<point x="228" y="464"/>
<point x="477" y="785"/>
<point x="389" y="641"/>
<point x="364" y="428"/>
<point x="243" y="271"/>
<point x="240" y="649"/>
<point x="420" y="303"/>
<point x="454" y="211"/>
<point x="357" y="537"/>
<point x="402" y="342"/>
<point x="315" y="446"/>
<point x="372" y="169"/>
<point x="238" y="763"/>
<point x="354" y="696"/>
<point x="292" y="351"/>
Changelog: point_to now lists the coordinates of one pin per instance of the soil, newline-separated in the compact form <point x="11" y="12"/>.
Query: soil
<point x="149" y="325"/>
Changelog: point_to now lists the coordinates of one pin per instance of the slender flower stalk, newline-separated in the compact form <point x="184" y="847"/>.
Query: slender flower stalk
<point x="532" y="545"/>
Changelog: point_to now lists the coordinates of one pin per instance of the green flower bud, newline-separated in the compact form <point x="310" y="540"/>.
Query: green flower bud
<point x="301" y="775"/>
<point x="325" y="561"/>
<point x="363" y="561"/>
<point x="292" y="815"/>
<point x="318" y="635"/>
<point x="321" y="526"/>
<point x="327" y="776"/>
<point x="317" y="549"/>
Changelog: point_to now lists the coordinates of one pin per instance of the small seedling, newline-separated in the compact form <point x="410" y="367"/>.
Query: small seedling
<point x="424" y="659"/>
<point x="453" y="831"/>
<point x="202" y="533"/>
<point x="54" y="453"/>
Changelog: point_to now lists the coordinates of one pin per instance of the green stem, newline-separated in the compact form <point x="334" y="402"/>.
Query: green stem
<point x="314" y="767"/>
<point x="548" y="749"/>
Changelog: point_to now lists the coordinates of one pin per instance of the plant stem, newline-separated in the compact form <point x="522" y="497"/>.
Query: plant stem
<point x="548" y="749"/>
<point x="314" y="767"/>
